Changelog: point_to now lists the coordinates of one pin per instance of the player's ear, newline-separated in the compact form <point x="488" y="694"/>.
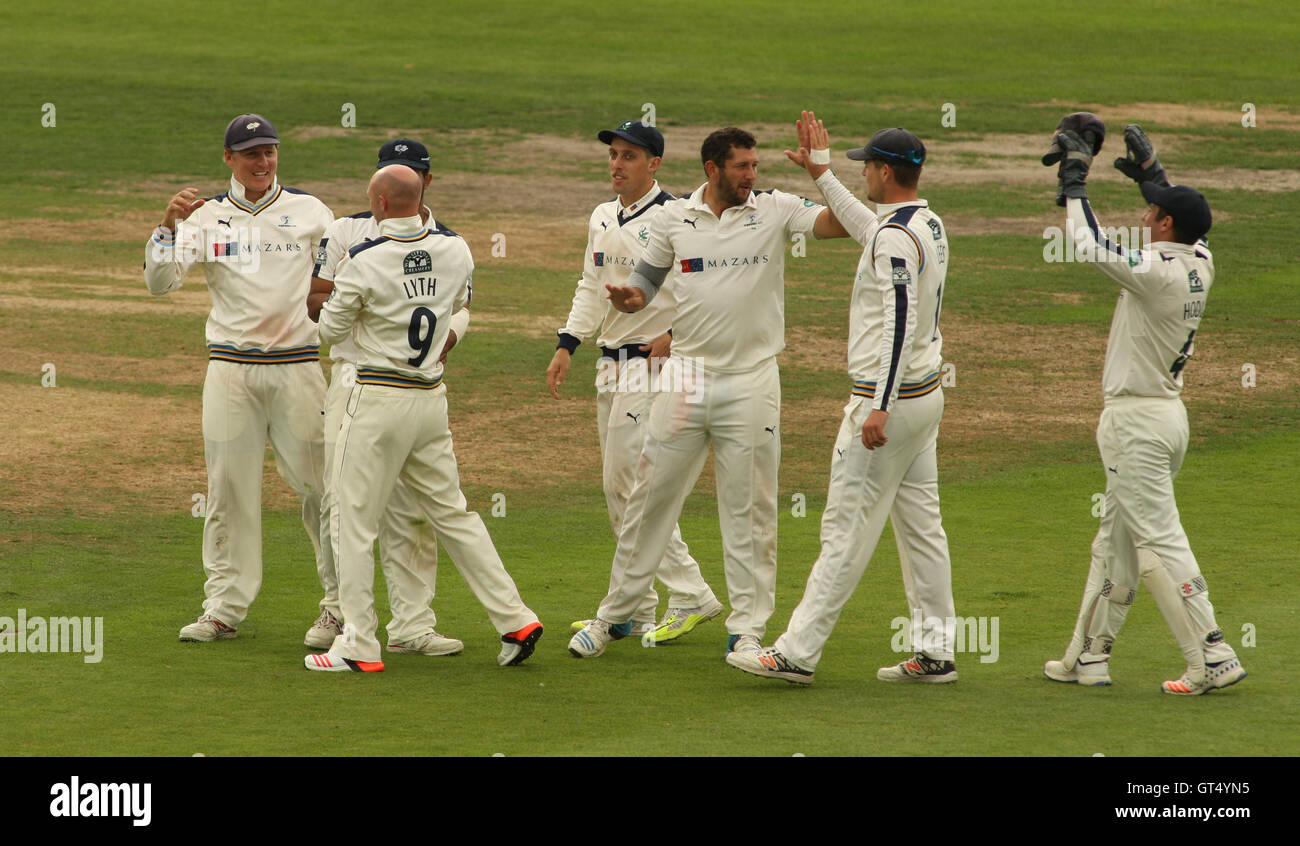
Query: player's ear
<point x="228" y="158"/>
<point x="654" y="164"/>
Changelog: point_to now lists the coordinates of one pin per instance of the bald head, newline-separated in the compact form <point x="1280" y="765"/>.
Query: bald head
<point x="395" y="192"/>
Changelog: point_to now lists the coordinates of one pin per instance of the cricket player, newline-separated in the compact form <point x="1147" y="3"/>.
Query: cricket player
<point x="721" y="387"/>
<point x="255" y="242"/>
<point x="408" y="547"/>
<point x="1143" y="431"/>
<point x="633" y="348"/>
<point x="394" y="297"/>
<point x="884" y="464"/>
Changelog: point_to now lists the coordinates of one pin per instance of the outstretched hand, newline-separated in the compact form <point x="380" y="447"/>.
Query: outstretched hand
<point x="181" y="207"/>
<point x="812" y="136"/>
<point x="626" y="298"/>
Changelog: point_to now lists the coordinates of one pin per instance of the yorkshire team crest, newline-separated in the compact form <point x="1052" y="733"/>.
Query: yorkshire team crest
<point x="1194" y="284"/>
<point x="417" y="261"/>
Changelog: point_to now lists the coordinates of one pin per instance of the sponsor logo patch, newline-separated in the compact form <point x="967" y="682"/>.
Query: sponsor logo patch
<point x="417" y="261"/>
<point x="1194" y="282"/>
<point x="902" y="276"/>
<point x="598" y="259"/>
<point x="693" y="265"/>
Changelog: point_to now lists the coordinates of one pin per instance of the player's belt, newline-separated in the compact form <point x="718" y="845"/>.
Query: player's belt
<point x="627" y="351"/>
<point x="393" y="379"/>
<point x="296" y="355"/>
<point x="907" y="390"/>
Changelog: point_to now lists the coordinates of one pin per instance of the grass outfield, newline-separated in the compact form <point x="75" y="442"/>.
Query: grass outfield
<point x="97" y="473"/>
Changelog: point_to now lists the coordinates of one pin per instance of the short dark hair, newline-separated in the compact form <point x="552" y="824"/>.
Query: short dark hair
<point x="1179" y="237"/>
<point x="906" y="174"/>
<point x="717" y="147"/>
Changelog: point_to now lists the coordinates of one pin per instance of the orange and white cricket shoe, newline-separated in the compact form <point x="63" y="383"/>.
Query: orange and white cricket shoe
<point x="325" y="662"/>
<point x="1217" y="676"/>
<point x="769" y="663"/>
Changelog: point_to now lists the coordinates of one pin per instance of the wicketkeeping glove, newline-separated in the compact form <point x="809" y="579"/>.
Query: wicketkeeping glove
<point x="1089" y="132"/>
<point x="1087" y="125"/>
<point x="1076" y="159"/>
<point x="1139" y="150"/>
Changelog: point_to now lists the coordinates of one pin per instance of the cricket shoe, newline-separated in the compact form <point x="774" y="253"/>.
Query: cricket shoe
<point x="682" y="621"/>
<point x="771" y="664"/>
<point x="322" y="632"/>
<point x="207" y="629"/>
<point x="328" y="663"/>
<point x="639" y="629"/>
<point x="921" y="669"/>
<point x="1095" y="674"/>
<point x="743" y="643"/>
<point x="592" y="640"/>
<point x="1216" y="676"/>
<point x="517" y="646"/>
<point x="429" y="643"/>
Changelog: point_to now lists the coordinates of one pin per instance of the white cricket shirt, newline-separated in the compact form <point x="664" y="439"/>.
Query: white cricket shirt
<point x="615" y="242"/>
<point x="394" y="296"/>
<point x="257" y="258"/>
<point x="895" y="347"/>
<point x="341" y="236"/>
<point x="1165" y="286"/>
<point x="730" y="288"/>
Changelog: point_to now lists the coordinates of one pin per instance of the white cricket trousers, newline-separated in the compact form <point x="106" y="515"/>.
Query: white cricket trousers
<point x="390" y="433"/>
<point x="243" y="406"/>
<point x="623" y="404"/>
<point x="898" y="481"/>
<point x="1142" y="441"/>
<point x="739" y="414"/>
<point x="408" y="546"/>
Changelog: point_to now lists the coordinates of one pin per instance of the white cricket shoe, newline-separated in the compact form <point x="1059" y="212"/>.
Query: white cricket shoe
<point x="322" y="632"/>
<point x="919" y="668"/>
<point x="743" y="643"/>
<point x="325" y="662"/>
<point x="592" y="640"/>
<point x="516" y="646"/>
<point x="429" y="643"/>
<point x="1095" y="674"/>
<point x="1216" y="676"/>
<point x="639" y="629"/>
<point x="207" y="629"/>
<point x="771" y="664"/>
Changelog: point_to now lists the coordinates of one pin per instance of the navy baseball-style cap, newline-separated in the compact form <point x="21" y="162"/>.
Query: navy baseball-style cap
<point x="1187" y="206"/>
<point x="891" y="146"/>
<point x="637" y="133"/>
<point x="404" y="151"/>
<point x="250" y="131"/>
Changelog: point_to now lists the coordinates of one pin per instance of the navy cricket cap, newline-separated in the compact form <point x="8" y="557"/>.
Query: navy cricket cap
<point x="1187" y="206"/>
<point x="891" y="146"/>
<point x="250" y="131"/>
<point x="404" y="151"/>
<point x="637" y="133"/>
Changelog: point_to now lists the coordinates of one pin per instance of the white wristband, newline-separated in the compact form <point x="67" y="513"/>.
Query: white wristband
<point x="820" y="157"/>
